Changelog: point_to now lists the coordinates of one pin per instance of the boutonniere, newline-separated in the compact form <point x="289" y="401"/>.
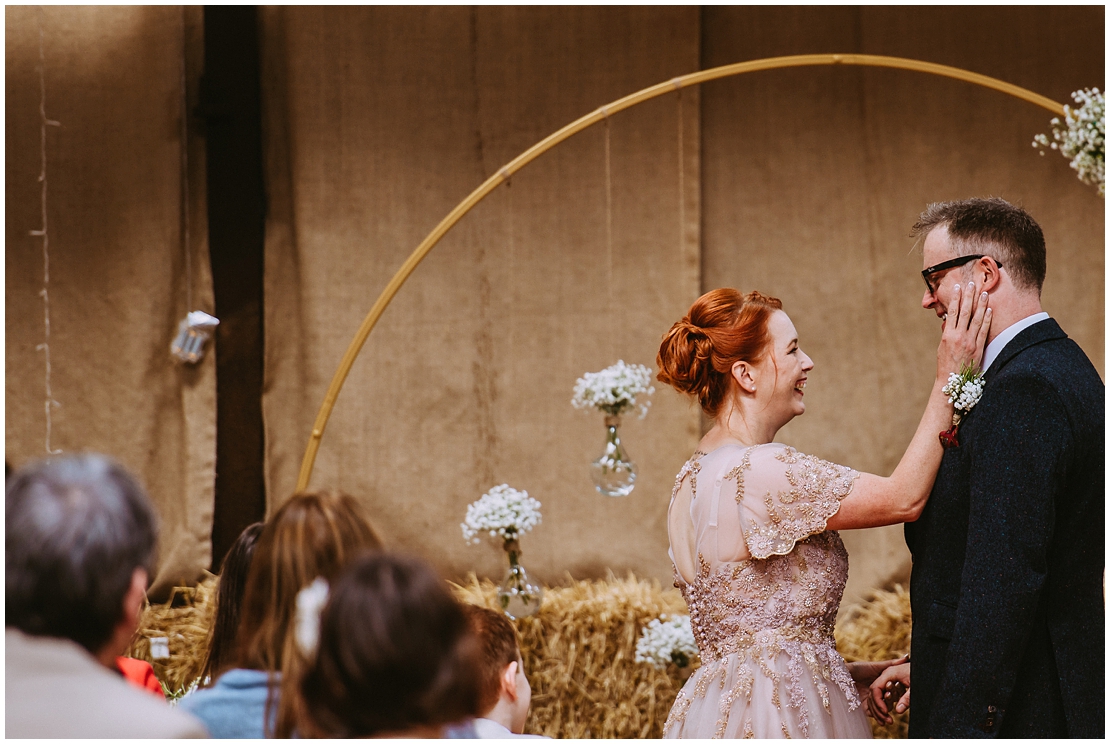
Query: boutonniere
<point x="963" y="390"/>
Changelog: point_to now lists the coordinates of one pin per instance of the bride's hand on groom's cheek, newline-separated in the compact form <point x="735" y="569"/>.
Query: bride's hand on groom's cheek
<point x="966" y="329"/>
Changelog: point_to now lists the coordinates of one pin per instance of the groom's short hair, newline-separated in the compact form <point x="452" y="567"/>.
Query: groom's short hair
<point x="995" y="228"/>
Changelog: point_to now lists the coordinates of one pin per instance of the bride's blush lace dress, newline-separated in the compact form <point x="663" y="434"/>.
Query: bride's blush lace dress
<point x="763" y="579"/>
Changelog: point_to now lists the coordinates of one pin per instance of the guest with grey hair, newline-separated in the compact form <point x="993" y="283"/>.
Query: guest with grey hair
<point x="81" y="541"/>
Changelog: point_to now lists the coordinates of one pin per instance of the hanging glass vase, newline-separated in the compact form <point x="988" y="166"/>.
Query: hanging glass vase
<point x="517" y="595"/>
<point x="614" y="474"/>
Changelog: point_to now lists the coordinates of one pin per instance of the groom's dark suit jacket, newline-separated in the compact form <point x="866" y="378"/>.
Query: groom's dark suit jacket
<point x="1006" y="590"/>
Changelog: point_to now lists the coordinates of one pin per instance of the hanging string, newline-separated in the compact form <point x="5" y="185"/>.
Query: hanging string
<point x="44" y="347"/>
<point x="512" y="249"/>
<point x="681" y="181"/>
<point x="608" y="228"/>
<point x="185" y="163"/>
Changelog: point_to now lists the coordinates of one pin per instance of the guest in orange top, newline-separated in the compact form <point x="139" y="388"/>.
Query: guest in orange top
<point x="141" y="674"/>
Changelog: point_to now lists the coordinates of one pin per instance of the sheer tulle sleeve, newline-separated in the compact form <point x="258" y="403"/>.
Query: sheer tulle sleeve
<point x="784" y="496"/>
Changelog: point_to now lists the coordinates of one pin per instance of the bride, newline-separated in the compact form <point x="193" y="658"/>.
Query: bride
<point x="752" y="522"/>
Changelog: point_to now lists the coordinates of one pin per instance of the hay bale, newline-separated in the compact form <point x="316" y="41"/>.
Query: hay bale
<point x="184" y="620"/>
<point x="579" y="653"/>
<point x="877" y="630"/>
<point x="579" y="650"/>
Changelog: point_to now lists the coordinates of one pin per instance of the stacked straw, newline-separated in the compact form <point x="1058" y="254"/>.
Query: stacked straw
<point x="877" y="630"/>
<point x="184" y="620"/>
<point x="579" y="654"/>
<point x="579" y="651"/>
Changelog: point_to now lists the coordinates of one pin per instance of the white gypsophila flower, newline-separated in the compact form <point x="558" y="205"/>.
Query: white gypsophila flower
<point x="614" y="389"/>
<point x="964" y="389"/>
<point x="664" y="641"/>
<point x="174" y="698"/>
<point x="310" y="602"/>
<point x="503" y="512"/>
<point x="1081" y="137"/>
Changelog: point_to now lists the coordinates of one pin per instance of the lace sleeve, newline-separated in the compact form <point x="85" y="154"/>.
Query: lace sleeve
<point x="788" y="496"/>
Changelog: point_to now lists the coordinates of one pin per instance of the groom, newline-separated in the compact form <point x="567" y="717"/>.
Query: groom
<point x="1007" y="583"/>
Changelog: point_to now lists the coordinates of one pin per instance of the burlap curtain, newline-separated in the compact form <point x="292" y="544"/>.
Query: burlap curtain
<point x="377" y="121"/>
<point x="382" y="119"/>
<point x="117" y="260"/>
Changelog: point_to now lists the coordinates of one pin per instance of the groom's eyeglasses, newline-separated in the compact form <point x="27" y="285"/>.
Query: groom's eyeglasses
<point x="930" y="272"/>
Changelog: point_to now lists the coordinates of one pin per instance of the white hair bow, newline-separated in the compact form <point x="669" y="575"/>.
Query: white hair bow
<point x="310" y="602"/>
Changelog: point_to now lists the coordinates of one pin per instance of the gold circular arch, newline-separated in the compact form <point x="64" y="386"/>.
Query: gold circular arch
<point x="675" y="84"/>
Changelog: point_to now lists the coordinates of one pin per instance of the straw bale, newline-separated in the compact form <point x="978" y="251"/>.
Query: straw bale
<point x="184" y="620"/>
<point x="879" y="629"/>
<point x="579" y="653"/>
<point x="579" y="650"/>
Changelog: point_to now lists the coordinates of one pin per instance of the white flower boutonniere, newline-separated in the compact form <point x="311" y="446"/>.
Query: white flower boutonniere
<point x="963" y="390"/>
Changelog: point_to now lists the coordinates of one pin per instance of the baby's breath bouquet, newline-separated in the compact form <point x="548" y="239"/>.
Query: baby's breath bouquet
<point x="504" y="513"/>
<point x="1081" y="137"/>
<point x="613" y="390"/>
<point x="667" y="641"/>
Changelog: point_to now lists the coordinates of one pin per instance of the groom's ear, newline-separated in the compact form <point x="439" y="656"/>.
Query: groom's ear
<point x="991" y="277"/>
<point x="745" y="376"/>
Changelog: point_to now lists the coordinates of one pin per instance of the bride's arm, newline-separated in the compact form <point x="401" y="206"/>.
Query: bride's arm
<point x="876" y="501"/>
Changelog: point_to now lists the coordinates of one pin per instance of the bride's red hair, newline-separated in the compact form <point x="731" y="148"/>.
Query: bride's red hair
<point x="722" y="327"/>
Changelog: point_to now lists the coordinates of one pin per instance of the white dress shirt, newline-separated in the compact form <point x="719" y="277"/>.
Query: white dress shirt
<point x="488" y="729"/>
<point x="995" y="347"/>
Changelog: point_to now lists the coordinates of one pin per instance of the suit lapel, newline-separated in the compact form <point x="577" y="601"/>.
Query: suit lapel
<point x="1046" y="330"/>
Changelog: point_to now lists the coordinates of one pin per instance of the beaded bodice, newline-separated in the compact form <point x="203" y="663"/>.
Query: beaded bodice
<point x="781" y="600"/>
<point x="761" y="574"/>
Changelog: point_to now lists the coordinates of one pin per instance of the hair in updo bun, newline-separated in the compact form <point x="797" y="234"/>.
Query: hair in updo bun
<point x="722" y="328"/>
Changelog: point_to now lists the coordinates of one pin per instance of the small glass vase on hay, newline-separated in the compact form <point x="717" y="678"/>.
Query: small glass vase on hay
<point x="506" y="514"/>
<point x="613" y="391"/>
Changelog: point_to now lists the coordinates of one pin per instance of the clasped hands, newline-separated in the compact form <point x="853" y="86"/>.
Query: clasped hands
<point x="885" y="685"/>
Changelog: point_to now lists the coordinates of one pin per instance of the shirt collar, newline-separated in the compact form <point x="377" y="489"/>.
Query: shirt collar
<point x="995" y="347"/>
<point x="490" y="729"/>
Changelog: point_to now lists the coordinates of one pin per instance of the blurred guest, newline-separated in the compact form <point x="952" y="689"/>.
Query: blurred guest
<point x="395" y="656"/>
<point x="141" y="674"/>
<point x="229" y="601"/>
<point x="81" y="542"/>
<point x="312" y="535"/>
<point x="504" y="692"/>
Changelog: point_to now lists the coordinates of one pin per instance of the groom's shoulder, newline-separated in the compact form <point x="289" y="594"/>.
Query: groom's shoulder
<point x="1059" y="362"/>
<point x="1055" y="368"/>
